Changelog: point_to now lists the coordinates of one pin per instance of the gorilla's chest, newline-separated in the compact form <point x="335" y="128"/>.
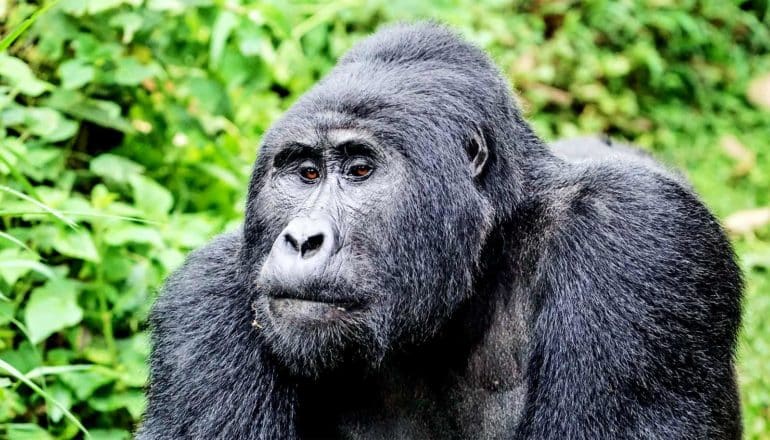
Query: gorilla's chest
<point x="462" y="409"/>
<point x="478" y="415"/>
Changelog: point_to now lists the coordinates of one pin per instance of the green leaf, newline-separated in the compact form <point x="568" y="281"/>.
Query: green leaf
<point x="152" y="198"/>
<point x="49" y="124"/>
<point x="6" y="42"/>
<point x="122" y="234"/>
<point x="132" y="354"/>
<point x="41" y="163"/>
<point x="25" y="358"/>
<point x="10" y="271"/>
<point x="77" y="244"/>
<point x="75" y="7"/>
<point x="97" y="6"/>
<point x="7" y="310"/>
<point x="84" y="383"/>
<point x="130" y="22"/>
<point x="56" y="370"/>
<point x="20" y="76"/>
<point x="170" y="258"/>
<point x="62" y="395"/>
<point x="177" y="6"/>
<point x="116" y="168"/>
<point x="27" y="431"/>
<point x="51" y="308"/>
<point x="104" y="113"/>
<point x="11" y="403"/>
<point x="132" y="400"/>
<point x="223" y="26"/>
<point x="110" y="434"/>
<point x="189" y="231"/>
<point x="14" y="240"/>
<point x="75" y="74"/>
<point x="39" y="204"/>
<point x="17" y="374"/>
<point x="14" y="264"/>
<point x="130" y="72"/>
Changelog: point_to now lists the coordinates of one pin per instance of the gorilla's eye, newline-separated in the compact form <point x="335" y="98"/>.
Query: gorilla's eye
<point x="359" y="171"/>
<point x="309" y="172"/>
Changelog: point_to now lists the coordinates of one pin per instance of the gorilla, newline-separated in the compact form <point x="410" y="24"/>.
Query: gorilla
<point x="415" y="263"/>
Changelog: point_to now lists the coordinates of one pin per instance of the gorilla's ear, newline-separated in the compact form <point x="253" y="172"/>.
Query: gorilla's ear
<point x="477" y="151"/>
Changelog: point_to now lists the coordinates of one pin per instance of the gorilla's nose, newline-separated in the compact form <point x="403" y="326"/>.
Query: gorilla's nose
<point x="308" y="238"/>
<point x="305" y="245"/>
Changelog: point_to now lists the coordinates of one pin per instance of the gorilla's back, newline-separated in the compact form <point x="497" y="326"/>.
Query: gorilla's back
<point x="593" y="149"/>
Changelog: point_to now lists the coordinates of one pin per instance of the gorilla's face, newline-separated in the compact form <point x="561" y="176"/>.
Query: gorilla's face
<point x="369" y="234"/>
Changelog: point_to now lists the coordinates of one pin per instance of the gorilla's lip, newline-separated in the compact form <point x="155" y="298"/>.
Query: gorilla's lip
<point x="311" y="311"/>
<point x="340" y="304"/>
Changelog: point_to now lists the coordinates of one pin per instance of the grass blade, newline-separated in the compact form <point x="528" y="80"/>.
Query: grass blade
<point x="6" y="42"/>
<point x="13" y="372"/>
<point x="40" y="205"/>
<point x="15" y="241"/>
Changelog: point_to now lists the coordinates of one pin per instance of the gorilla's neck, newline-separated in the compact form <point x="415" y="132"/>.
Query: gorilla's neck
<point x="463" y="384"/>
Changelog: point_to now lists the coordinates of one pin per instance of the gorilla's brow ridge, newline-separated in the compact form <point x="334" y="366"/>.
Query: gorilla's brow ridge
<point x="288" y="151"/>
<point x="351" y="147"/>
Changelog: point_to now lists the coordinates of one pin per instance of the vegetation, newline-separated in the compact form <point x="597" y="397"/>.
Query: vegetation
<point x="128" y="128"/>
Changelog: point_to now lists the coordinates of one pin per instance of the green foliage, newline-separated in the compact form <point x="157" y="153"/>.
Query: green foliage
<point x="128" y="128"/>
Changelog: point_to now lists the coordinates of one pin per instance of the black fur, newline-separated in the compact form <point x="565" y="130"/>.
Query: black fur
<point x="513" y="294"/>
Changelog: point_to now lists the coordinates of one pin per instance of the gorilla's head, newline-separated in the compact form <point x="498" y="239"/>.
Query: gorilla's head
<point x="374" y="195"/>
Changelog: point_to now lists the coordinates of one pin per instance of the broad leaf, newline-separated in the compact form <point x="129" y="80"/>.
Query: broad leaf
<point x="75" y="74"/>
<point x="117" y="168"/>
<point x="51" y="308"/>
<point x="152" y="198"/>
<point x="77" y="243"/>
<point x="20" y="76"/>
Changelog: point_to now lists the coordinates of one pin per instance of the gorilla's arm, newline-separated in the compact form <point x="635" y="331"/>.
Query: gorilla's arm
<point x="635" y="320"/>
<point x="209" y="378"/>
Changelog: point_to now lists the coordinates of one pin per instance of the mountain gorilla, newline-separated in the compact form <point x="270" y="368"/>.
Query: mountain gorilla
<point x="416" y="263"/>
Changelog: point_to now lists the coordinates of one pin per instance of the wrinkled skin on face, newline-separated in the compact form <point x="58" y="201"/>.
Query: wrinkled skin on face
<point x="395" y="255"/>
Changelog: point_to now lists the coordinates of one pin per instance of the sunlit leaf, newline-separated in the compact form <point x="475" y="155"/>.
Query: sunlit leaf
<point x="76" y="244"/>
<point x="7" y="310"/>
<point x="100" y="112"/>
<point x="75" y="74"/>
<point x="84" y="383"/>
<point x="51" y="308"/>
<point x="131" y="72"/>
<point x="130" y="22"/>
<point x="46" y="123"/>
<point x="122" y="234"/>
<point x="14" y="264"/>
<point x="27" y="431"/>
<point x="20" y="76"/>
<point x="110" y="434"/>
<point x="225" y="23"/>
<point x="151" y="197"/>
<point x="117" y="168"/>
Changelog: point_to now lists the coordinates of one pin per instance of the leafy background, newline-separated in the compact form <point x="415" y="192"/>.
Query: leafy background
<point x="128" y="127"/>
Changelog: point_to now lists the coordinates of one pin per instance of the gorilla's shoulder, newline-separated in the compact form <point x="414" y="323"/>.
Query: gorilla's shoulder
<point x="208" y="273"/>
<point x="203" y="347"/>
<point x="642" y="207"/>
<point x="201" y="310"/>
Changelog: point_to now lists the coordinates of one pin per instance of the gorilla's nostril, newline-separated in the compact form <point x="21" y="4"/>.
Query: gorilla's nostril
<point x="312" y="244"/>
<point x="292" y="242"/>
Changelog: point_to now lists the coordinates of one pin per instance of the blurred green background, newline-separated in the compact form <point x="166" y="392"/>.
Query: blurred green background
<point x="128" y="128"/>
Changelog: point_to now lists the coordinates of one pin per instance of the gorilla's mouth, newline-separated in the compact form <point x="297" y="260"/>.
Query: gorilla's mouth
<point x="311" y="310"/>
